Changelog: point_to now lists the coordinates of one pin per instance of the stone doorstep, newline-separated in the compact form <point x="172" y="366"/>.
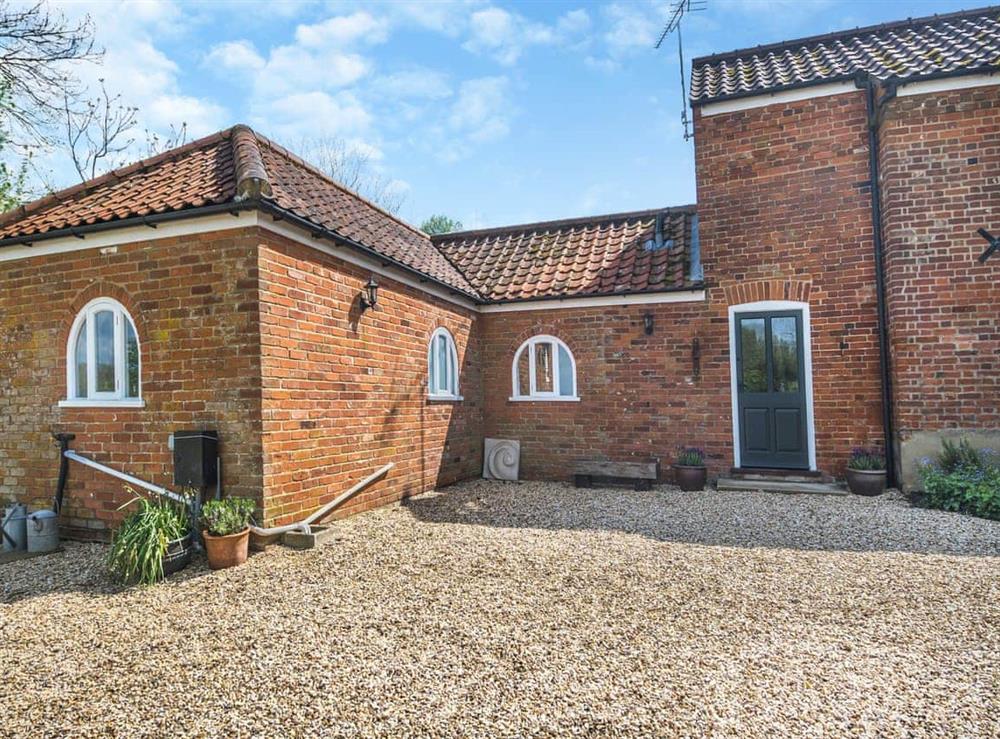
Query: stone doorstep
<point x="781" y="486"/>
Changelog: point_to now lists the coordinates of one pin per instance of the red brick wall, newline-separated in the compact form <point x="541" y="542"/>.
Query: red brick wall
<point x="940" y="167"/>
<point x="639" y="396"/>
<point x="193" y="300"/>
<point x="345" y="392"/>
<point x="783" y="203"/>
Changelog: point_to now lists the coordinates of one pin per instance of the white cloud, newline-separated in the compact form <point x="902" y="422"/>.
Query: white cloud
<point x="481" y="110"/>
<point x="239" y="55"/>
<point x="312" y="114"/>
<point x="292" y="69"/>
<point x="342" y="30"/>
<point x="504" y="35"/>
<point x="629" y="28"/>
<point x="417" y="82"/>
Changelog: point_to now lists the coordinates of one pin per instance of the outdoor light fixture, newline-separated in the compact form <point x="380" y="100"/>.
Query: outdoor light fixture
<point x="369" y="298"/>
<point x="647" y="323"/>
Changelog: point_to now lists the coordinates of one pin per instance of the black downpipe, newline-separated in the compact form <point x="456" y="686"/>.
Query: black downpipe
<point x="64" y="440"/>
<point x="873" y="108"/>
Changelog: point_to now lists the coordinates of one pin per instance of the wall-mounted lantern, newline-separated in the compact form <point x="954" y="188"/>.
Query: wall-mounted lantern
<point x="369" y="298"/>
<point x="647" y="323"/>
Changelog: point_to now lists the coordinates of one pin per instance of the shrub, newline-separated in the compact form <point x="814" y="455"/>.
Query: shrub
<point x="140" y="542"/>
<point x="963" y="479"/>
<point x="866" y="459"/>
<point x="227" y="516"/>
<point x="954" y="456"/>
<point x="690" y="456"/>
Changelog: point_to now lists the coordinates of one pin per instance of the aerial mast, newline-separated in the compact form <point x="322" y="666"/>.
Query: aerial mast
<point x="678" y="10"/>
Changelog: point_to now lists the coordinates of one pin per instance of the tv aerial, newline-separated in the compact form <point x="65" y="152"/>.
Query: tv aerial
<point x="678" y="10"/>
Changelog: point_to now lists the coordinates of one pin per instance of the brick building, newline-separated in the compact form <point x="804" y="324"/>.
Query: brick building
<point x="223" y="285"/>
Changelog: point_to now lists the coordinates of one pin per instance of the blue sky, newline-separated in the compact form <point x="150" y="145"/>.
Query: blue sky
<point x="492" y="113"/>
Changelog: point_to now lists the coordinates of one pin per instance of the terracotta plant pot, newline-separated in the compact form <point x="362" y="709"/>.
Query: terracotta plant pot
<point x="866" y="482"/>
<point x="227" y="551"/>
<point x="689" y="478"/>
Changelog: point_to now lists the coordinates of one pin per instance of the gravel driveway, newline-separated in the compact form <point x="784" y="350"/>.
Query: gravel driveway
<point x="533" y="609"/>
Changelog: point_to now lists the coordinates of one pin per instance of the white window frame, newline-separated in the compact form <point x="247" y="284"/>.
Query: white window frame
<point x="451" y="372"/>
<point x="94" y="399"/>
<point x="534" y="394"/>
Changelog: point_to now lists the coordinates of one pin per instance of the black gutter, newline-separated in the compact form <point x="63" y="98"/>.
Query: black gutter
<point x="265" y="206"/>
<point x="148" y="220"/>
<point x="873" y="108"/>
<point x="283" y="214"/>
<point x="987" y="69"/>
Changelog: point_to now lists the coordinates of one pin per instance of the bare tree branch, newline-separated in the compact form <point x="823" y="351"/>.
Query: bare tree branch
<point x="35" y="48"/>
<point x="98" y="132"/>
<point x="157" y="144"/>
<point x="354" y="168"/>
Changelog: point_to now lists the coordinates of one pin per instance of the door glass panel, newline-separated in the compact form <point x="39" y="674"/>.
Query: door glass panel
<point x="754" y="357"/>
<point x="565" y="373"/>
<point x="104" y="334"/>
<point x="80" y="357"/>
<point x="785" y="350"/>
<point x="131" y="362"/>
<point x="543" y="368"/>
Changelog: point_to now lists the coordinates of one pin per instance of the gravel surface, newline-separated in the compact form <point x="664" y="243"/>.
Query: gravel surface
<point x="532" y="610"/>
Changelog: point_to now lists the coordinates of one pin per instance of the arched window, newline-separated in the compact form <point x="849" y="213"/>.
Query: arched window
<point x="442" y="366"/>
<point x="102" y="357"/>
<point x="544" y="369"/>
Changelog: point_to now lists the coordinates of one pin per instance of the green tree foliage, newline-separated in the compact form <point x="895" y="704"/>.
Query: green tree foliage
<point x="440" y="224"/>
<point x="12" y="178"/>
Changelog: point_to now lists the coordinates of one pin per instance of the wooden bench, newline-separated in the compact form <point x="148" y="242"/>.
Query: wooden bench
<point x="641" y="474"/>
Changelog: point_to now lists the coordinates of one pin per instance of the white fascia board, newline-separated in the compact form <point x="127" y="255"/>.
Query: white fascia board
<point x="778" y="98"/>
<point x="130" y="234"/>
<point x="944" y="84"/>
<point x="685" y="296"/>
<point x="114" y="237"/>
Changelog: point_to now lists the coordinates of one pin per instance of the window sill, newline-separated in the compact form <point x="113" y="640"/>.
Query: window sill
<point x="537" y="399"/>
<point x="93" y="403"/>
<point x="445" y="398"/>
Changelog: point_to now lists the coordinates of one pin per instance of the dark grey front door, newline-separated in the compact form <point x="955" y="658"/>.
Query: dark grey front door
<point x="770" y="382"/>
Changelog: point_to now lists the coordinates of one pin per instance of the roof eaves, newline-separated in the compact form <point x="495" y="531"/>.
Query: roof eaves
<point x="115" y="175"/>
<point x="318" y="231"/>
<point x="689" y="287"/>
<point x="561" y="224"/>
<point x="837" y="35"/>
<point x="896" y="80"/>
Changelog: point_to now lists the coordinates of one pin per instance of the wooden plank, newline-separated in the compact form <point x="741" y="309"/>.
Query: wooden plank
<point x="630" y="470"/>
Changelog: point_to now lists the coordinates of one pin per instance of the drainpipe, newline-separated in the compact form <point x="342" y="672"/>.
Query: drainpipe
<point x="874" y="107"/>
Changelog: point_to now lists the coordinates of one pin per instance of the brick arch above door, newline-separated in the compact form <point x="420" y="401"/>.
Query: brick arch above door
<point x="754" y="291"/>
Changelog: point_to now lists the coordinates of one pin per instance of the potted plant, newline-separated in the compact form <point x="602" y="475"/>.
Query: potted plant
<point x="152" y="542"/>
<point x="226" y="529"/>
<point x="866" y="472"/>
<point x="689" y="469"/>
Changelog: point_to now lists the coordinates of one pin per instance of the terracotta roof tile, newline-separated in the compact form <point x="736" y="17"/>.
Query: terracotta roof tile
<point x="587" y="256"/>
<point x="953" y="43"/>
<point x="572" y="258"/>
